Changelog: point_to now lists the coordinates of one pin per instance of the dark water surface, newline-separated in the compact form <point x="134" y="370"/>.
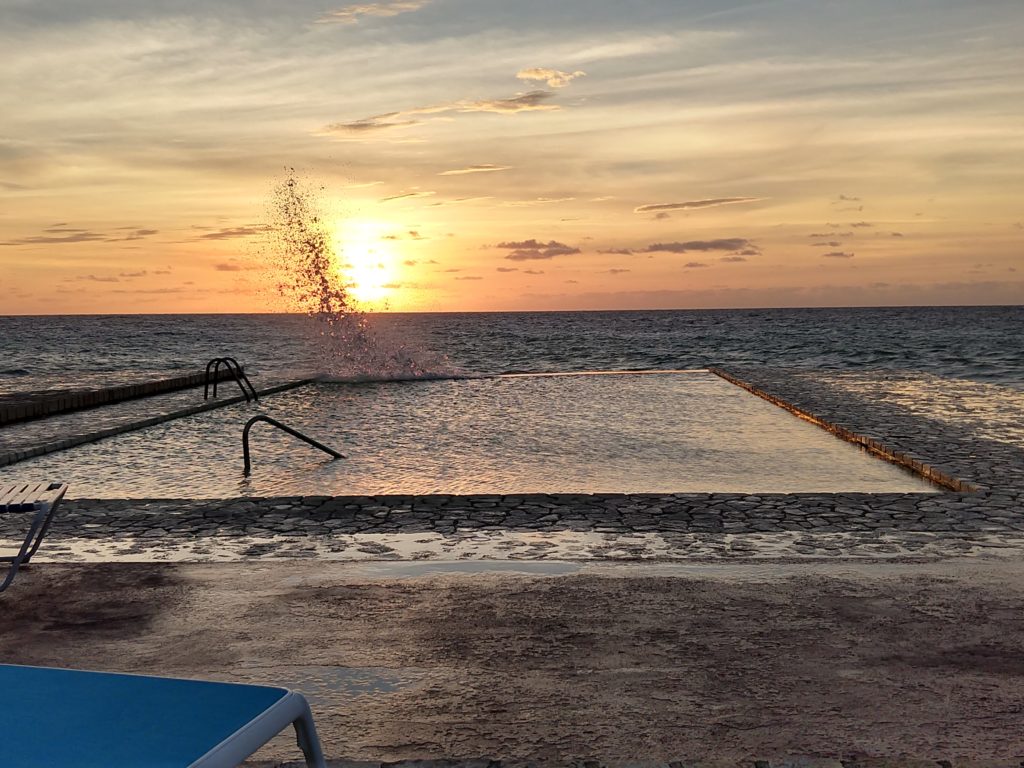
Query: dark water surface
<point x="980" y="343"/>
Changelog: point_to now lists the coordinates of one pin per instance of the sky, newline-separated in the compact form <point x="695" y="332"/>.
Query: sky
<point x="488" y="155"/>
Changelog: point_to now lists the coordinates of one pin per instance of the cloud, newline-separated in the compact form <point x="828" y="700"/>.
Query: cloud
<point x="233" y="232"/>
<point x="555" y="78"/>
<point x="528" y="250"/>
<point x="694" y="264"/>
<point x="59" y="235"/>
<point x="410" y="262"/>
<point x="404" y="195"/>
<point x="895" y="234"/>
<point x="458" y="201"/>
<point x="827" y="244"/>
<point x="572" y="282"/>
<point x="350" y="14"/>
<point x="507" y="269"/>
<point x="724" y="244"/>
<point x="228" y="267"/>
<point x="617" y="271"/>
<point x="469" y="277"/>
<point x="693" y="204"/>
<point x="619" y="251"/>
<point x="487" y="168"/>
<point x="848" y="199"/>
<point x="532" y="101"/>
<point x="533" y="271"/>
<point x="732" y="259"/>
<point x="98" y="279"/>
<point x="662" y="215"/>
<point x="149" y="290"/>
<point x="857" y="224"/>
<point x="536" y="202"/>
<point x="837" y="255"/>
<point x="134" y="234"/>
<point x="130" y="275"/>
<point x="412" y="234"/>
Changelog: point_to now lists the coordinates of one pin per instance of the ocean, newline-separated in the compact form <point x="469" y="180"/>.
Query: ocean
<point x="979" y="343"/>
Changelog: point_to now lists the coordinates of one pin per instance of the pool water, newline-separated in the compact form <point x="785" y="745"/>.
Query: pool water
<point x="621" y="433"/>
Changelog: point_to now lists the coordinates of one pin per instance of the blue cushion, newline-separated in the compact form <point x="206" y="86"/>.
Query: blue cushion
<point x="69" y="718"/>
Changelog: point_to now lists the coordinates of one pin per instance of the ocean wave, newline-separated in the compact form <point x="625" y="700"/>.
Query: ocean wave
<point x="15" y="372"/>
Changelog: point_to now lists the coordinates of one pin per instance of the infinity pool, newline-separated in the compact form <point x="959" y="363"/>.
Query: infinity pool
<point x="611" y="433"/>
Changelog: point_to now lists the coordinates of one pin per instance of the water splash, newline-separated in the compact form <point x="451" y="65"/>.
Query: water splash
<point x="308" y="276"/>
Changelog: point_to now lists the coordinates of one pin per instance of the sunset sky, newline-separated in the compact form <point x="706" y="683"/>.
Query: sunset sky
<point x="495" y="155"/>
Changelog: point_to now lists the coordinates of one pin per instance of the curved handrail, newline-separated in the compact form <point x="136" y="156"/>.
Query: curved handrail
<point x="236" y="373"/>
<point x="247" y="470"/>
<point x="241" y="377"/>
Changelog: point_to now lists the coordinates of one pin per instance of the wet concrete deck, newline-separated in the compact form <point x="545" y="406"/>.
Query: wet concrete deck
<point x="616" y="664"/>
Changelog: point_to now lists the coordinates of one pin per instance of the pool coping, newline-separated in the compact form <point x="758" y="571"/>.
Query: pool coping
<point x="871" y="444"/>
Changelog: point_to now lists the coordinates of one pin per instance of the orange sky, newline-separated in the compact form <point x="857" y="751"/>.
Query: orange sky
<point x="479" y="156"/>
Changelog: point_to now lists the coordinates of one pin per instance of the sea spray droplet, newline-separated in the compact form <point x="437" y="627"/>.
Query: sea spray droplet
<point x="309" y="277"/>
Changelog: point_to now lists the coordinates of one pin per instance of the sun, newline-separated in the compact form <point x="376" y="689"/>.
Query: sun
<point x="367" y="260"/>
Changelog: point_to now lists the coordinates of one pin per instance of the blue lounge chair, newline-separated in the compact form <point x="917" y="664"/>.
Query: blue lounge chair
<point x="76" y="719"/>
<point x="40" y="498"/>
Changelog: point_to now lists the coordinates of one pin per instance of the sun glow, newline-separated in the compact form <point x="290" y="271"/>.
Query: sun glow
<point x="368" y="261"/>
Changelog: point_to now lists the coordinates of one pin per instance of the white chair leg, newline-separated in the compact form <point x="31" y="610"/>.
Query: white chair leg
<point x="308" y="741"/>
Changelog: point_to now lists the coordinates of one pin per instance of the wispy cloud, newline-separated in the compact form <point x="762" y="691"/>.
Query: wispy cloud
<point x="412" y="234"/>
<point x="532" y="249"/>
<point x="351" y="14"/>
<point x="233" y="265"/>
<point x="555" y="78"/>
<point x="617" y="271"/>
<point x="460" y="200"/>
<point x="60" y="233"/>
<point x="837" y="255"/>
<point x="693" y="204"/>
<point x="232" y="232"/>
<point x="71" y="236"/>
<point x="532" y="101"/>
<point x="405" y="195"/>
<point x="537" y="201"/>
<point x="723" y="244"/>
<point x="475" y="169"/>
<point x="694" y="264"/>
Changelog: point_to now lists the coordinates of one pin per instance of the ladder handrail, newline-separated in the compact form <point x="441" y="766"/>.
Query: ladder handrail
<point x="236" y="373"/>
<point x="295" y="433"/>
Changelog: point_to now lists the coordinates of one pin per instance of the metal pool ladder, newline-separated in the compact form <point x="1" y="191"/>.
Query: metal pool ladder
<point x="295" y="433"/>
<point x="236" y="373"/>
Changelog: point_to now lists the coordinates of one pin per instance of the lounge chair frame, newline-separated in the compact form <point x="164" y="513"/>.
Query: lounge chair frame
<point x="40" y="498"/>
